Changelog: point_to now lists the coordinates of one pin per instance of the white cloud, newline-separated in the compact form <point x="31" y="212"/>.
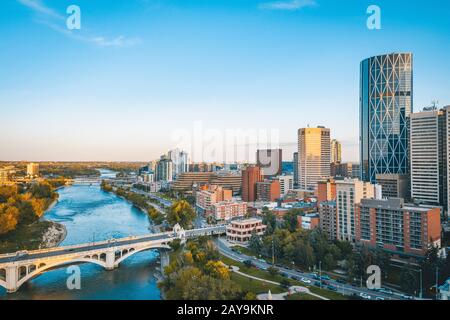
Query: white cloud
<point x="38" y="7"/>
<point x="290" y="5"/>
<point x="56" y="21"/>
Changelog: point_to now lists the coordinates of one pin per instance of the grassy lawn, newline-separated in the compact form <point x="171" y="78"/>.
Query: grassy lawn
<point x="327" y="293"/>
<point x="24" y="237"/>
<point x="255" y="272"/>
<point x="301" y="296"/>
<point x="245" y="251"/>
<point x="255" y="286"/>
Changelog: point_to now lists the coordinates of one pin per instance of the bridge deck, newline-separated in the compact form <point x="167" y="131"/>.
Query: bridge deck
<point x="59" y="251"/>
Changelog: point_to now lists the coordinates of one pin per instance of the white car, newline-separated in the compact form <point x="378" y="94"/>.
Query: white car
<point x="365" y="296"/>
<point x="304" y="280"/>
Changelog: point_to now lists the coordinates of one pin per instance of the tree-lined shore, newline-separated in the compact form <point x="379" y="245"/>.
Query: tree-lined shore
<point x="21" y="209"/>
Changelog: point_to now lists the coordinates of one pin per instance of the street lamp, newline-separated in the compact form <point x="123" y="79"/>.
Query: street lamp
<point x="320" y="274"/>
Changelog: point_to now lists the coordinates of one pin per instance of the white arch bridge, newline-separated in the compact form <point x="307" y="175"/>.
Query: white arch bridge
<point x="18" y="268"/>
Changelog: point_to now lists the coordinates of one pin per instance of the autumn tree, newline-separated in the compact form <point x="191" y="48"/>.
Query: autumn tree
<point x="181" y="212"/>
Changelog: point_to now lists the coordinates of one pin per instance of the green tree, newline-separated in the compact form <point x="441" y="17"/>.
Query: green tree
<point x="181" y="212"/>
<point x="255" y="244"/>
<point x="408" y="280"/>
<point x="290" y="220"/>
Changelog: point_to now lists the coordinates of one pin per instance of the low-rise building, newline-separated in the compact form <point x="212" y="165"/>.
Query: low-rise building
<point x="241" y="231"/>
<point x="227" y="210"/>
<point x="210" y="195"/>
<point x="308" y="221"/>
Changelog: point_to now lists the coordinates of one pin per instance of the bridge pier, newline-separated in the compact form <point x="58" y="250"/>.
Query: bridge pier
<point x="110" y="260"/>
<point x="12" y="279"/>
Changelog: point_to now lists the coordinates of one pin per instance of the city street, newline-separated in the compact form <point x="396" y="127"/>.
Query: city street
<point x="345" y="289"/>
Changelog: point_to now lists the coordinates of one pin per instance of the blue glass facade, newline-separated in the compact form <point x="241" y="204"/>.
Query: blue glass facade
<point x="386" y="101"/>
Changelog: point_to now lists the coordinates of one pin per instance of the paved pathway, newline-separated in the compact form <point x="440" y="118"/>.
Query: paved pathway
<point x="280" y="296"/>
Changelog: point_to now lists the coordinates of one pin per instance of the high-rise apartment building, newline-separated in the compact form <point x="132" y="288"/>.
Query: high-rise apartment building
<point x="180" y="160"/>
<point x="295" y="165"/>
<point x="328" y="219"/>
<point x="270" y="161"/>
<point x="250" y="177"/>
<point x="33" y="169"/>
<point x="398" y="227"/>
<point x="164" y="169"/>
<point x="336" y="151"/>
<point x="429" y="157"/>
<point x="314" y="156"/>
<point x="394" y="185"/>
<point x="286" y="184"/>
<point x="268" y="190"/>
<point x="326" y="190"/>
<point x="386" y="101"/>
<point x="350" y="192"/>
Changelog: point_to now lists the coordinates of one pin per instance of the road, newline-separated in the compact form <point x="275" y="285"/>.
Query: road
<point x="106" y="244"/>
<point x="345" y="289"/>
<point x="87" y="247"/>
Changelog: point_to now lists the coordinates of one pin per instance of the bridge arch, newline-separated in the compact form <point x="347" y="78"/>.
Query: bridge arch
<point x="133" y="251"/>
<point x="44" y="267"/>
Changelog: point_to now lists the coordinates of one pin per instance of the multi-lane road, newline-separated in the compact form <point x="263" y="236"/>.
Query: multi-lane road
<point x="345" y="289"/>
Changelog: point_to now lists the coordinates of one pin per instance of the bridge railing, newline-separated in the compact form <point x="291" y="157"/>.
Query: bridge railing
<point x="117" y="242"/>
<point x="87" y="245"/>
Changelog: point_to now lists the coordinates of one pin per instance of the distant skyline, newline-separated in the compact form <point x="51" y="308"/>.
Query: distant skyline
<point x="140" y="71"/>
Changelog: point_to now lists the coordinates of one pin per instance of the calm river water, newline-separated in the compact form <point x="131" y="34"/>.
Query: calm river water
<point x="92" y="214"/>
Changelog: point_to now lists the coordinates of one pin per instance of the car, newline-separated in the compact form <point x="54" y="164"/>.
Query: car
<point x="21" y="254"/>
<point x="317" y="283"/>
<point x="326" y="277"/>
<point x="304" y="280"/>
<point x="339" y="280"/>
<point x="332" y="288"/>
<point x="405" y="296"/>
<point x="262" y="260"/>
<point x="365" y="296"/>
<point x="380" y="298"/>
<point x="384" y="290"/>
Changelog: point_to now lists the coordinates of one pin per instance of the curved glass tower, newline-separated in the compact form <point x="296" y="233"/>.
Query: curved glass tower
<point x="386" y="101"/>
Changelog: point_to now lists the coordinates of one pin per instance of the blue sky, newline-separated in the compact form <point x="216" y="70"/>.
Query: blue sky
<point x="140" y="70"/>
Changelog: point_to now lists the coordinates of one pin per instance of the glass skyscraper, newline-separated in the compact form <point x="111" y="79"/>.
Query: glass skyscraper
<point x="386" y="101"/>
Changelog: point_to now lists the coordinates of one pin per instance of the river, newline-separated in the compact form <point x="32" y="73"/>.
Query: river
<point x="89" y="213"/>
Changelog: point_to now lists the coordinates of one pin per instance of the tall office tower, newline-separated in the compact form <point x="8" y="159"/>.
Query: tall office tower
<point x="313" y="156"/>
<point x="447" y="153"/>
<point x="250" y="177"/>
<point x="349" y="193"/>
<point x="33" y="169"/>
<point x="336" y="151"/>
<point x="429" y="162"/>
<point x="386" y="101"/>
<point x="295" y="164"/>
<point x="164" y="169"/>
<point x="180" y="160"/>
<point x="270" y="162"/>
